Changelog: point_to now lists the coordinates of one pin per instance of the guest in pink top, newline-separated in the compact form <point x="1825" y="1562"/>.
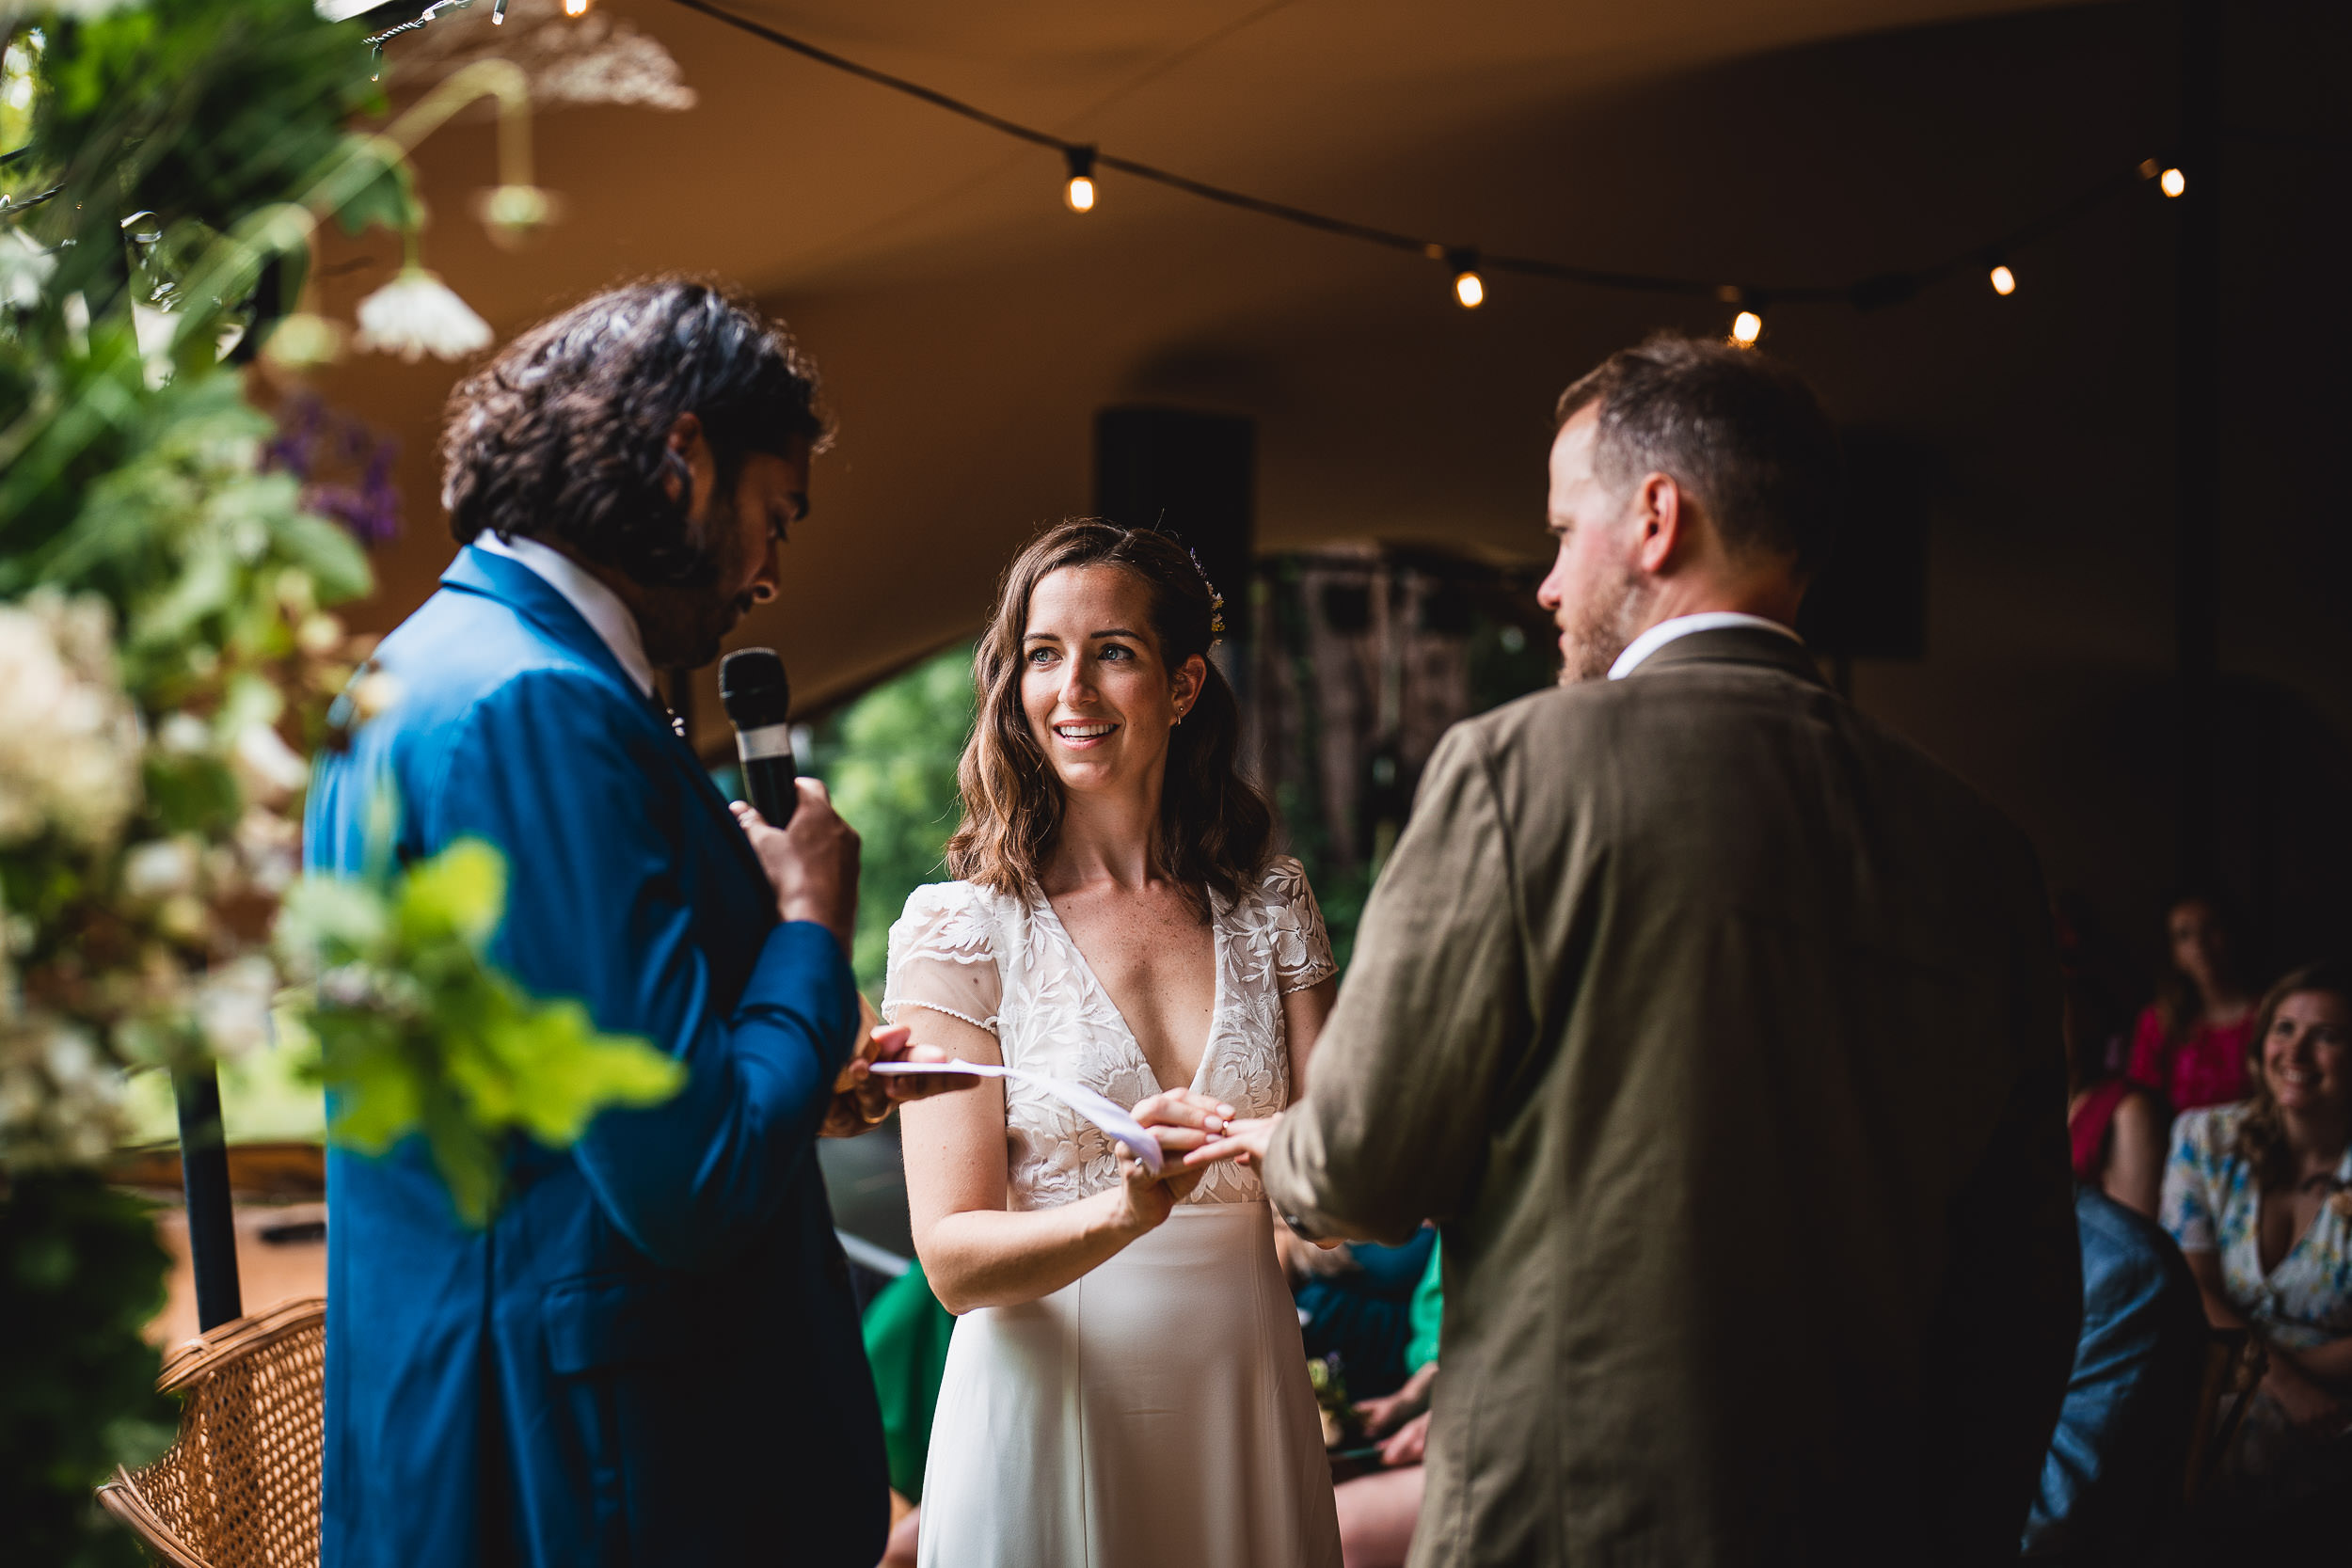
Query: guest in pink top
<point x="2190" y="1045"/>
<point x="2117" y="1127"/>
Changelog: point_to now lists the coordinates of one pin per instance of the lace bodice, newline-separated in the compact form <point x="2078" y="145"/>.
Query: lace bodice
<point x="1007" y="965"/>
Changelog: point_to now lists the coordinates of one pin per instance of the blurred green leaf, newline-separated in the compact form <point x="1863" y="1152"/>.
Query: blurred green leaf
<point x="460" y="892"/>
<point x="417" y="1032"/>
<point x="550" y="1071"/>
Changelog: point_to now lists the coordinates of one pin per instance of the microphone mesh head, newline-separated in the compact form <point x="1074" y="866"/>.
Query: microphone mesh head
<point x="752" y="689"/>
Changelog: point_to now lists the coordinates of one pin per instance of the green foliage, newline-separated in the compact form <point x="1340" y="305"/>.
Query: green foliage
<point x="890" y="762"/>
<point x="416" y="1032"/>
<point x="82" y="1272"/>
<point x="197" y="111"/>
<point x="198" y="548"/>
<point x="162" y="628"/>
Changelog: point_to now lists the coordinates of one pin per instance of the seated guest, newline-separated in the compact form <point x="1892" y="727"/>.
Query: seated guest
<point x="1355" y="1302"/>
<point x="1378" y="1511"/>
<point x="2190" y="1046"/>
<point x="2258" y="1196"/>
<point x="2117" y="1126"/>
<point x="2111" y="1482"/>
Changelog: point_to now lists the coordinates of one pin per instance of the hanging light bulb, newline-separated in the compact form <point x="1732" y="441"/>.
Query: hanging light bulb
<point x="575" y="8"/>
<point x="1468" y="288"/>
<point x="1746" y="328"/>
<point x="1079" y="193"/>
<point x="2173" y="181"/>
<point x="2003" y="281"/>
<point x="497" y="14"/>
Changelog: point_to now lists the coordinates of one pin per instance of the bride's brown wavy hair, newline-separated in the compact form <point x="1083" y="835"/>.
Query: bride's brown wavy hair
<point x="1216" y="829"/>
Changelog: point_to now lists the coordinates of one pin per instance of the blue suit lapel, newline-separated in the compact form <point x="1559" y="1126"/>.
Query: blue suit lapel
<point x="516" y="585"/>
<point x="512" y="583"/>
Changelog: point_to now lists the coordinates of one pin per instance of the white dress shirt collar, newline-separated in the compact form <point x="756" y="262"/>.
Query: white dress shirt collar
<point x="1683" y="625"/>
<point x="601" y="608"/>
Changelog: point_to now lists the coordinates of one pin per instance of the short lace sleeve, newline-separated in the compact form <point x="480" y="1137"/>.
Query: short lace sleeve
<point x="1302" y="949"/>
<point x="943" y="956"/>
<point x="2202" y="1153"/>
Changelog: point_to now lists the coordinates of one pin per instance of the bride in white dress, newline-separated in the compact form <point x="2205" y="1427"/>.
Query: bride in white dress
<point x="1126" y="1385"/>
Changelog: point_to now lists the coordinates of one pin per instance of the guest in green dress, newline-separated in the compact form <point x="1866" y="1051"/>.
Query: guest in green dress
<point x="1378" y="1511"/>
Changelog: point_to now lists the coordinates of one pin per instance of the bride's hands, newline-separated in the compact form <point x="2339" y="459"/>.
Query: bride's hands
<point x="1245" y="1142"/>
<point x="1180" y="1121"/>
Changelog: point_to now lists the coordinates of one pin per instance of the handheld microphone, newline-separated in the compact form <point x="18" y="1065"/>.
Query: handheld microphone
<point x="758" y="700"/>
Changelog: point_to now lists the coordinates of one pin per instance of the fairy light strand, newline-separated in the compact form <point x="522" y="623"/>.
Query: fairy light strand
<point x="1084" y="161"/>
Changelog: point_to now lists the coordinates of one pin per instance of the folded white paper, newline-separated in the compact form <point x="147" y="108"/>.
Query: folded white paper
<point x="1103" y="1113"/>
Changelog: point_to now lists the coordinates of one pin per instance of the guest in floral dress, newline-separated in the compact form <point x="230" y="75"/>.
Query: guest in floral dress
<point x="2258" y="1196"/>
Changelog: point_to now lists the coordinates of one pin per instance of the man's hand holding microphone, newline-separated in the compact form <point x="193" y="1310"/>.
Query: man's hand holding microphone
<point x="811" y="859"/>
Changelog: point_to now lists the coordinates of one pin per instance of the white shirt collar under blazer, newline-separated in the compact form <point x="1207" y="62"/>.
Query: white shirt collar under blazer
<point x="1683" y="625"/>
<point x="601" y="608"/>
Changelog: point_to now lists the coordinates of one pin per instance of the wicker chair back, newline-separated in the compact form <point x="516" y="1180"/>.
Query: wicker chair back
<point x="239" y="1487"/>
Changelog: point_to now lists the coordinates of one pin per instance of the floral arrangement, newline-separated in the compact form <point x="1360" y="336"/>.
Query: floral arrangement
<point x="170" y="560"/>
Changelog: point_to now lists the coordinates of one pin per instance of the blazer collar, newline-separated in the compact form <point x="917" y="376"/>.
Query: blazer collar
<point x="532" y="596"/>
<point x="1732" y="645"/>
<point x="539" y="601"/>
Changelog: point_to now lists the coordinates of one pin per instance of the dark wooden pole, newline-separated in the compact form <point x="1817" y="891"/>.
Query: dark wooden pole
<point x="2196" y="593"/>
<point x="204" y="1176"/>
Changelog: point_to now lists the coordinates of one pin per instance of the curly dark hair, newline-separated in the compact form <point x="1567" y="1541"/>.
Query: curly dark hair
<point x="565" y="435"/>
<point x="1216" y="829"/>
<point x="2261" y="1137"/>
<point x="1739" y="430"/>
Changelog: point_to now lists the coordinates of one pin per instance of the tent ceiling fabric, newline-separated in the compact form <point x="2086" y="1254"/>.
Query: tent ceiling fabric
<point x="967" y="324"/>
<point x="1275" y="97"/>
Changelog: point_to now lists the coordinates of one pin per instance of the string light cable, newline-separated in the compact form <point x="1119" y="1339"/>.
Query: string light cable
<point x="1083" y="161"/>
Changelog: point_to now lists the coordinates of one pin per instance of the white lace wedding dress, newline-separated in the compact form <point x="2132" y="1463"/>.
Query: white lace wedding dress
<point x="1155" y="1412"/>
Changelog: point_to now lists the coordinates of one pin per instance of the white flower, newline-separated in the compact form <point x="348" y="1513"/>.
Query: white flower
<point x="60" y="1100"/>
<point x="375" y="692"/>
<point x="270" y="848"/>
<point x="303" y="342"/>
<point x="232" y="1005"/>
<point x="160" y="868"/>
<point x="184" y="735"/>
<point x="24" y="267"/>
<point x="68" y="738"/>
<point x="268" y="768"/>
<point x="417" y="315"/>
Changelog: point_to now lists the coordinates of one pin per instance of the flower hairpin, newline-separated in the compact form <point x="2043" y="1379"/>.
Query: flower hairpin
<point x="1216" y="601"/>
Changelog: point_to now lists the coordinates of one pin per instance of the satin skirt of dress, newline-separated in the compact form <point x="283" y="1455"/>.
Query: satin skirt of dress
<point x="1155" y="1413"/>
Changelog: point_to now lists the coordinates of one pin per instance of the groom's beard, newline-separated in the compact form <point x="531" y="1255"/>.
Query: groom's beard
<point x="1601" y="628"/>
<point x="685" y="627"/>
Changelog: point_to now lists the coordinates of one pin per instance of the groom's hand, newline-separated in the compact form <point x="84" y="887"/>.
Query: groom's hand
<point x="811" y="863"/>
<point x="861" y="1100"/>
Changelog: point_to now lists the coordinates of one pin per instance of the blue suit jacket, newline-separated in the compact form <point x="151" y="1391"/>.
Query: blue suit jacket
<point x="652" y="1355"/>
<point x="2111" y="1484"/>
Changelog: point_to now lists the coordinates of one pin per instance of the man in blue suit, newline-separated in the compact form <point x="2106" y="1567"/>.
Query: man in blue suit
<point x="651" y="1355"/>
<point x="2111" y="1482"/>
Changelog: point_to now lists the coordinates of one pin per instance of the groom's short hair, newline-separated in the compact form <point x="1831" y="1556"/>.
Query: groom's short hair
<point x="1739" y="431"/>
<point x="565" y="434"/>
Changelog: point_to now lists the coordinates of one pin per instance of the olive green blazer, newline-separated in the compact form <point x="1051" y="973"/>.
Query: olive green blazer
<point x="1718" y="1028"/>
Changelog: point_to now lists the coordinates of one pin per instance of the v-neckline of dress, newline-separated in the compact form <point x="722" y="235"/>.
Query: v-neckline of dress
<point x="2254" y="1231"/>
<point x="1127" y="1030"/>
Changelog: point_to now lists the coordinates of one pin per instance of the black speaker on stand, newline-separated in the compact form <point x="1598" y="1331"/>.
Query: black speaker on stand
<point x="1195" y="475"/>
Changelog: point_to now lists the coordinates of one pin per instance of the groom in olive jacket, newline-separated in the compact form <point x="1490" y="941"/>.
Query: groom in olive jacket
<point x="1718" y="1028"/>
